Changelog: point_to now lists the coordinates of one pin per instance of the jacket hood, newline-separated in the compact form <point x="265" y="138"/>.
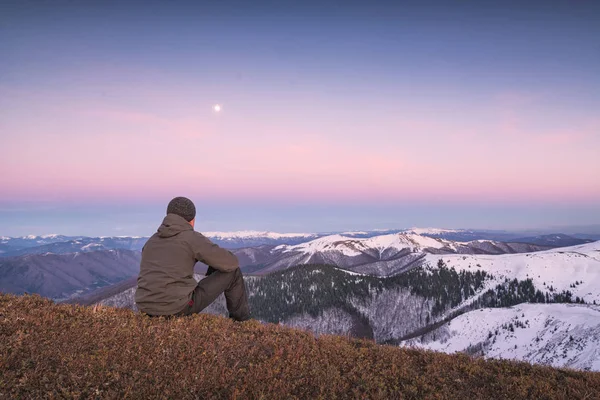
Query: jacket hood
<point x="172" y="225"/>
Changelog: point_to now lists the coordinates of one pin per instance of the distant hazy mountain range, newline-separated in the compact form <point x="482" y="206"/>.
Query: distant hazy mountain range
<point x="234" y="240"/>
<point x="60" y="244"/>
<point x="68" y="245"/>
<point x="60" y="276"/>
<point x="61" y="266"/>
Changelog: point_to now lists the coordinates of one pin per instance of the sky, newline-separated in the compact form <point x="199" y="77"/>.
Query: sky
<point x="334" y="115"/>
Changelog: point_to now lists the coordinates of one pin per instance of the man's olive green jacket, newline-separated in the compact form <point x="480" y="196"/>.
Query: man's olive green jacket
<point x="166" y="280"/>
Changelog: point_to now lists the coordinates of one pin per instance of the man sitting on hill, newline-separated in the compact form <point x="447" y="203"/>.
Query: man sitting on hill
<point x="166" y="284"/>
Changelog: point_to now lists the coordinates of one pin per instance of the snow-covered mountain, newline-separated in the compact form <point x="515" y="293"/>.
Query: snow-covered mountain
<point x="561" y="335"/>
<point x="378" y="255"/>
<point x="575" y="268"/>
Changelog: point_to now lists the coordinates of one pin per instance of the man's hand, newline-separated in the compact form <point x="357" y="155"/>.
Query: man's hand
<point x="210" y="270"/>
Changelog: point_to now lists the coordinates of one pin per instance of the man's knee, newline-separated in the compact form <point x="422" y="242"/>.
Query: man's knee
<point x="237" y="276"/>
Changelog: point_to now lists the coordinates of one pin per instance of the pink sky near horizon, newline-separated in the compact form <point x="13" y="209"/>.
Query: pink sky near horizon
<point x="512" y="148"/>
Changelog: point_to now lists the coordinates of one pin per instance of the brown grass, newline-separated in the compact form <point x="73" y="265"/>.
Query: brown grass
<point x="68" y="351"/>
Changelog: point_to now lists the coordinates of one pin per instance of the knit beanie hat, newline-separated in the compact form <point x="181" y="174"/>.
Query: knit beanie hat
<point x="183" y="207"/>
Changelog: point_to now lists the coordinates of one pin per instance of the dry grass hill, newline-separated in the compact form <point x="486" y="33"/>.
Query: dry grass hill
<point x="69" y="351"/>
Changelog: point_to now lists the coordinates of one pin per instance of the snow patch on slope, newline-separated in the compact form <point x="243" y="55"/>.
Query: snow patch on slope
<point x="561" y="335"/>
<point x="90" y="246"/>
<point x="50" y="236"/>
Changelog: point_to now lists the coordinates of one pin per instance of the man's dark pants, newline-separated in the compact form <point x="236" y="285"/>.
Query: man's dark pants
<point x="215" y="283"/>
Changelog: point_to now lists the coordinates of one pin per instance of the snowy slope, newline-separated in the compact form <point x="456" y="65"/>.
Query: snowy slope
<point x="561" y="335"/>
<point x="355" y="246"/>
<point x="346" y="245"/>
<point x="377" y="255"/>
<point x="560" y="268"/>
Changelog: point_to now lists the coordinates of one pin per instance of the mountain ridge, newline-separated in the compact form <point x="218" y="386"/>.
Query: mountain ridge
<point x="379" y="255"/>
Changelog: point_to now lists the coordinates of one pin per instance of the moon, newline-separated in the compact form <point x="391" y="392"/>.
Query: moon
<point x="217" y="108"/>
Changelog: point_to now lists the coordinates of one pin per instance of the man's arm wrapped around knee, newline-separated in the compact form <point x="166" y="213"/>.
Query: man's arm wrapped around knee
<point x="212" y="255"/>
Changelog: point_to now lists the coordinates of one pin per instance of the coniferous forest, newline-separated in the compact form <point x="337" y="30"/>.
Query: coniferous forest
<point x="311" y="289"/>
